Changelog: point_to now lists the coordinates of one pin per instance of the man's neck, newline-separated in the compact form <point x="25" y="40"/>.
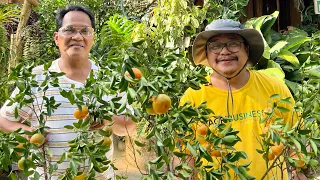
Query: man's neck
<point x="236" y="82"/>
<point x="75" y="69"/>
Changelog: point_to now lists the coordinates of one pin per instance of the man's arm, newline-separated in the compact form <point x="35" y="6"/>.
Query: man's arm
<point x="123" y="125"/>
<point x="9" y="126"/>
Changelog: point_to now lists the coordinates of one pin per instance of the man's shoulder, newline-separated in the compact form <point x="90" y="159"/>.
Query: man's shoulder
<point x="38" y="70"/>
<point x="267" y="78"/>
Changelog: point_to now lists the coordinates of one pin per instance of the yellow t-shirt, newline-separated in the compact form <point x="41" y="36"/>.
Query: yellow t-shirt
<point x="249" y="104"/>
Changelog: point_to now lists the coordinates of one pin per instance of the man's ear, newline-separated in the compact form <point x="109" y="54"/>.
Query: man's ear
<point x="247" y="49"/>
<point x="55" y="37"/>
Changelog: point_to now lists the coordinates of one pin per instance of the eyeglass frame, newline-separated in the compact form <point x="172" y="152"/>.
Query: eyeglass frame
<point x="224" y="45"/>
<point x="78" y="31"/>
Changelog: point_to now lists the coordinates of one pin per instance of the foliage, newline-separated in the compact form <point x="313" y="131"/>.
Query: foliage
<point x="8" y="13"/>
<point x="310" y="22"/>
<point x="158" y="45"/>
<point x="295" y="56"/>
<point x="226" y="9"/>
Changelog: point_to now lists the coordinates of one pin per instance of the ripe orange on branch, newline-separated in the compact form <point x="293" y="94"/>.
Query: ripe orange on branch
<point x="277" y="149"/>
<point x="202" y="130"/>
<point x="297" y="158"/>
<point x="161" y="104"/>
<point x="108" y="130"/>
<point x="80" y="114"/>
<point x="37" y="139"/>
<point x="271" y="156"/>
<point x="20" y="163"/>
<point x="215" y="153"/>
<point x="137" y="73"/>
<point x="82" y="176"/>
<point x="106" y="141"/>
<point x="150" y="110"/>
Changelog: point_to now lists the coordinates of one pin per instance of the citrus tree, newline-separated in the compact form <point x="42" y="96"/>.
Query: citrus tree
<point x="148" y="60"/>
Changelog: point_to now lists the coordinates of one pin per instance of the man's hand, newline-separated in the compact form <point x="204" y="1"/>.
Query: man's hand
<point x="96" y="125"/>
<point x="298" y="176"/>
<point x="122" y="125"/>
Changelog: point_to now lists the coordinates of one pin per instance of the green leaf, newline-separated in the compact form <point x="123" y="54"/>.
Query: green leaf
<point x="286" y="100"/>
<point x="287" y="127"/>
<point x="132" y="92"/>
<point x="296" y="143"/>
<point x="283" y="109"/>
<point x="179" y="154"/>
<point x="151" y="133"/>
<point x="229" y="138"/>
<point x="278" y="46"/>
<point x="139" y="143"/>
<point x="68" y="127"/>
<point x="315" y="72"/>
<point x="74" y="166"/>
<point x="275" y="72"/>
<point x="156" y="160"/>
<point x="304" y="131"/>
<point x="192" y="150"/>
<point x="274" y="96"/>
<point x="62" y="158"/>
<point x="314" y="146"/>
<point x="21" y="139"/>
<point x="13" y="176"/>
<point x="206" y="155"/>
<point x="290" y="57"/>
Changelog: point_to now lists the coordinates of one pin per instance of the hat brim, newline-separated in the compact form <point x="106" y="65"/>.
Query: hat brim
<point x="252" y="37"/>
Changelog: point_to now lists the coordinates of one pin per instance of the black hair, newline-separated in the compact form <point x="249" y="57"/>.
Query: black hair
<point x="62" y="12"/>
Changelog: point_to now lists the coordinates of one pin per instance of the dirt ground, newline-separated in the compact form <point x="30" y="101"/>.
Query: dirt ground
<point x="124" y="167"/>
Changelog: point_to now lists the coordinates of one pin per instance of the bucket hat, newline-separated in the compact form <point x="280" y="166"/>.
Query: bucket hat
<point x="222" y="26"/>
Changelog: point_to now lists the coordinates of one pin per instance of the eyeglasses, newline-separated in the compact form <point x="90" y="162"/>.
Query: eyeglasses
<point x="216" y="47"/>
<point x="72" y="31"/>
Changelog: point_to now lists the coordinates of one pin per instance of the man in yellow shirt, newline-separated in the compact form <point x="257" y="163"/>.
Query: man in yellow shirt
<point x="233" y="90"/>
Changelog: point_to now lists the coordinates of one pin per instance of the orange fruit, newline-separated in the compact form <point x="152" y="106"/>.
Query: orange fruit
<point x="202" y="130"/>
<point x="277" y="149"/>
<point x="150" y="111"/>
<point x="81" y="114"/>
<point x="297" y="158"/>
<point x="137" y="73"/>
<point x="20" y="146"/>
<point x="108" y="130"/>
<point x="82" y="176"/>
<point x="106" y="141"/>
<point x="271" y="156"/>
<point x="37" y="139"/>
<point x="161" y="104"/>
<point x="215" y="153"/>
<point x="265" y="130"/>
<point x="20" y="163"/>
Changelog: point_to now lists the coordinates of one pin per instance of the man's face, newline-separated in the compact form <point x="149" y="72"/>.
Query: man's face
<point x="232" y="56"/>
<point x="73" y="37"/>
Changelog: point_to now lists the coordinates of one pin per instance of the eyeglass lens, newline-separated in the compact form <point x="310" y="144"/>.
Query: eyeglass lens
<point x="71" y="31"/>
<point x="232" y="46"/>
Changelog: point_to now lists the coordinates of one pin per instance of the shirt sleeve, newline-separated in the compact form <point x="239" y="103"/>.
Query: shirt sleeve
<point x="9" y="111"/>
<point x="186" y="97"/>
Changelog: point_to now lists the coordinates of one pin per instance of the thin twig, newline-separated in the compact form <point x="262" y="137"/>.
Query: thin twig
<point x="134" y="152"/>
<point x="272" y="165"/>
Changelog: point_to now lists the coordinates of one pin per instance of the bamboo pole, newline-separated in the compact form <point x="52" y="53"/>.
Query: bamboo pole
<point x="16" y="48"/>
